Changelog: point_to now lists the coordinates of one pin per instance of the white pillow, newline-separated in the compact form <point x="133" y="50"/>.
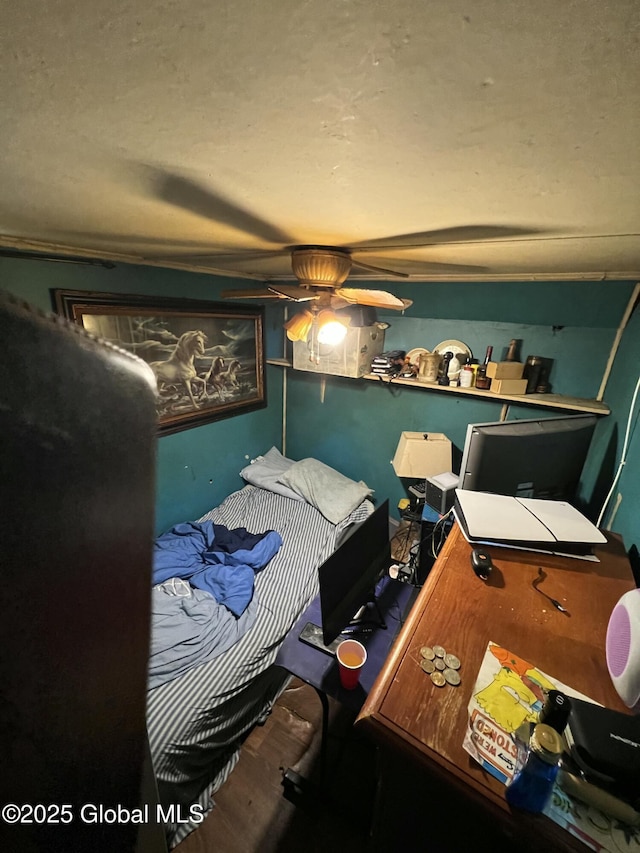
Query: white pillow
<point x="265" y="471"/>
<point x="330" y="492"/>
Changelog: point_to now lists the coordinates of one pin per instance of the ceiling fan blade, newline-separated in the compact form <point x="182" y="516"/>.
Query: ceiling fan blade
<point x="378" y="269"/>
<point x="258" y="293"/>
<point x="457" y="234"/>
<point x="273" y="291"/>
<point x="374" y="298"/>
<point x="292" y="291"/>
<point x="187" y="194"/>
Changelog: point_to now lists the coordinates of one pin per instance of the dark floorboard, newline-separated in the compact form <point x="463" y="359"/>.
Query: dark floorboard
<point x="255" y="812"/>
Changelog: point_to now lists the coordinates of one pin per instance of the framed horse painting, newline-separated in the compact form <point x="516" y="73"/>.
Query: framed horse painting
<point x="208" y="358"/>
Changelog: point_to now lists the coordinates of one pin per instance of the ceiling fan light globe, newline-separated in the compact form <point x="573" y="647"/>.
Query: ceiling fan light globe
<point x="332" y="333"/>
<point x="299" y="326"/>
<point x="331" y="330"/>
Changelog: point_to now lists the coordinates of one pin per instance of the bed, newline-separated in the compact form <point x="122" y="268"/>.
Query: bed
<point x="197" y="720"/>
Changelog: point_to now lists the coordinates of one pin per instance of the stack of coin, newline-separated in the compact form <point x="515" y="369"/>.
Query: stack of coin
<point x="440" y="666"/>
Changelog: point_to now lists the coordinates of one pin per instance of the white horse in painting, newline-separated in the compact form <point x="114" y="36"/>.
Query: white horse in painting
<point x="179" y="368"/>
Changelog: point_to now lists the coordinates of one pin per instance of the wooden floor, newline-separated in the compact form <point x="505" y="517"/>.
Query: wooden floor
<point x="255" y="812"/>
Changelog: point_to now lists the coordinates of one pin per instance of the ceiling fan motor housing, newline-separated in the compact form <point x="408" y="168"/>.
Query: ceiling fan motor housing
<point x="315" y="266"/>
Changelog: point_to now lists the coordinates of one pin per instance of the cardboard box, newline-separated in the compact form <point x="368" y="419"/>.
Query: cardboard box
<point x="350" y="358"/>
<point x="505" y="369"/>
<point x="422" y="454"/>
<point x="509" y="386"/>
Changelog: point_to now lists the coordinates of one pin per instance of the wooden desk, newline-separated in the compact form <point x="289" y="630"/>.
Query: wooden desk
<point x="432" y="792"/>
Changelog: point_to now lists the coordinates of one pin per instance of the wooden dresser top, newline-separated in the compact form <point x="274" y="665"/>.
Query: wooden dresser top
<point x="462" y="613"/>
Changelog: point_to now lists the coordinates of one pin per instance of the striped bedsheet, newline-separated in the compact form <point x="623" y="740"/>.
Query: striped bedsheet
<point x="196" y="722"/>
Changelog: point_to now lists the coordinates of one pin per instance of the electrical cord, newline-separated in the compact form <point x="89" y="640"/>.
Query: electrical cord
<point x="405" y="534"/>
<point x="402" y="539"/>
<point x="443" y="534"/>
<point x="439" y="530"/>
<point x="623" y="456"/>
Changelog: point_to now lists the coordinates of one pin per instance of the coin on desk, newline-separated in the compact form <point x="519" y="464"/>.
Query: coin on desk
<point x="427" y="666"/>
<point x="438" y="679"/>
<point x="452" y="662"/>
<point x="440" y="664"/>
<point x="452" y="677"/>
<point x="439" y="651"/>
<point x="427" y="653"/>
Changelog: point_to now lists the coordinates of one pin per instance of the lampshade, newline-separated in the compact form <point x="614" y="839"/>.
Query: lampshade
<point x="299" y="326"/>
<point x="331" y="330"/>
<point x="422" y="454"/>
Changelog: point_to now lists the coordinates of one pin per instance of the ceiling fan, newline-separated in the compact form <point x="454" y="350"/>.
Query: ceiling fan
<point x="320" y="270"/>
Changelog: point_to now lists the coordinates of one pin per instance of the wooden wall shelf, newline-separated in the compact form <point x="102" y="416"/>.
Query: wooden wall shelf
<point x="549" y="401"/>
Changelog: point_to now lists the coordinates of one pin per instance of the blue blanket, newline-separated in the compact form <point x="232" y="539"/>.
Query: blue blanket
<point x="211" y="557"/>
<point x="190" y="628"/>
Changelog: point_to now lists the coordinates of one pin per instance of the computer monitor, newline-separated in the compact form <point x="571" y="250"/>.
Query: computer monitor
<point x="348" y="577"/>
<point x="538" y="458"/>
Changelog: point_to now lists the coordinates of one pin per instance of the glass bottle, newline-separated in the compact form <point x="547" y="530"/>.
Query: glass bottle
<point x="482" y="380"/>
<point x="512" y="351"/>
<point x="536" y="770"/>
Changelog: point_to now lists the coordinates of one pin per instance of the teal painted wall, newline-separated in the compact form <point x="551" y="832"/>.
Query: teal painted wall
<point x="619" y="395"/>
<point x="357" y="427"/>
<point x="196" y="468"/>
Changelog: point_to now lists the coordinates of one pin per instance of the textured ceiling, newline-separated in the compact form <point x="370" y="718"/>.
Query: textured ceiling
<point x="173" y="130"/>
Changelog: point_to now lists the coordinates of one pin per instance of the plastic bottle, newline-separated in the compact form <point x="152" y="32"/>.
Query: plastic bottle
<point x="466" y="376"/>
<point x="474" y="366"/>
<point x="536" y="770"/>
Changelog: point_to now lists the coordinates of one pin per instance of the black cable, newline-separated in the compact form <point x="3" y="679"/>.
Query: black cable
<point x="407" y="534"/>
<point x="409" y="553"/>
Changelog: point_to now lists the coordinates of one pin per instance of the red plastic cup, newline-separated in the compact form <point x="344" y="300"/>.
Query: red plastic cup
<point x="351" y="657"/>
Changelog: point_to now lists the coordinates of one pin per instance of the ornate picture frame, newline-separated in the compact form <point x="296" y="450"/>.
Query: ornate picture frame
<point x="208" y="358"/>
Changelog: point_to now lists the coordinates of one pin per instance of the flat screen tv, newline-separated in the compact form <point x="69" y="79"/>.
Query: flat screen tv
<point x="538" y="458"/>
<point x="347" y="579"/>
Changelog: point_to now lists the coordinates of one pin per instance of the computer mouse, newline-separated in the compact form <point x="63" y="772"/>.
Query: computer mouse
<point x="481" y="563"/>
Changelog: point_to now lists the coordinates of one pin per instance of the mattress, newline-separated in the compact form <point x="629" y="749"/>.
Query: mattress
<point x="196" y="723"/>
